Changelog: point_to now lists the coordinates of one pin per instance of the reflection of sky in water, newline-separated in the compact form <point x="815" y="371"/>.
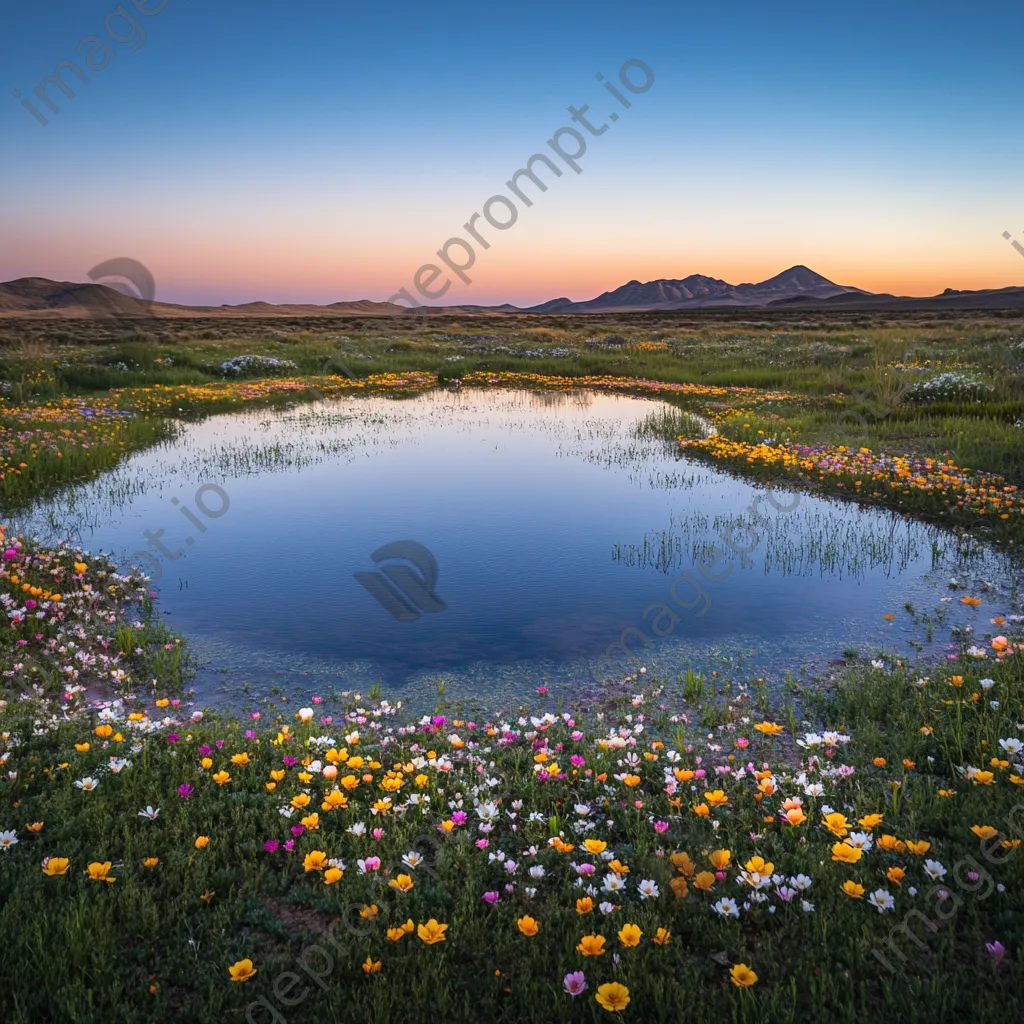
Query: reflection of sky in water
<point x="554" y="525"/>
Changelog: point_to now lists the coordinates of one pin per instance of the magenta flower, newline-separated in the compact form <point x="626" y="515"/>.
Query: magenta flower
<point x="996" y="950"/>
<point x="290" y="762"/>
<point x="661" y="826"/>
<point x="483" y="843"/>
<point x="318" y="700"/>
<point x="271" y="845"/>
<point x="438" y="720"/>
<point x="492" y="898"/>
<point x="255" y="716"/>
<point x="220" y="743"/>
<point x="542" y="690"/>
<point x="10" y="555"/>
<point x="297" y="830"/>
<point x="575" y="983"/>
<point x="185" y="790"/>
<point x="205" y="750"/>
<point x="577" y="760"/>
<point x="459" y="817"/>
<point x="289" y="845"/>
<point x="378" y="833"/>
<point x="173" y="737"/>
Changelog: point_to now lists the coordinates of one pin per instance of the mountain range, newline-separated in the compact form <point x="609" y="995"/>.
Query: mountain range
<point x="799" y="286"/>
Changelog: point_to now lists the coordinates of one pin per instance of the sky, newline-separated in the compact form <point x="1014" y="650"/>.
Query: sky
<point x="327" y="151"/>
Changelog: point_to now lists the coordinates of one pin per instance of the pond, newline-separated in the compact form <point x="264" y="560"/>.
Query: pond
<point x="500" y="540"/>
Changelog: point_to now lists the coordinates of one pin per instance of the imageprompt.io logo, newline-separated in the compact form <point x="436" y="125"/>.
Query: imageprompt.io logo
<point x="405" y="595"/>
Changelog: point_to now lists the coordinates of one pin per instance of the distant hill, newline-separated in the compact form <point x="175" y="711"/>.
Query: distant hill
<point x="798" y="287"/>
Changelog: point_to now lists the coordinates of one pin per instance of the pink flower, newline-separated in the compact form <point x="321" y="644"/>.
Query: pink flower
<point x="661" y="826"/>
<point x="378" y="833"/>
<point x="459" y="817"/>
<point x="491" y="897"/>
<point x="542" y="690"/>
<point x="255" y="716"/>
<point x="318" y="700"/>
<point x="297" y="830"/>
<point x="575" y="983"/>
<point x="742" y="742"/>
<point x="996" y="950"/>
<point x="271" y="845"/>
<point x="576" y="735"/>
<point x="483" y="843"/>
<point x="289" y="845"/>
<point x="578" y="761"/>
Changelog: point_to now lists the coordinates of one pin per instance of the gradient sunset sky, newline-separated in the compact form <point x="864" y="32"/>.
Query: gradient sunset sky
<point x="324" y="151"/>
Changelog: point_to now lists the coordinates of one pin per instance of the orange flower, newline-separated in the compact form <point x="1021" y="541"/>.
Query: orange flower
<point x="584" y="905"/>
<point x="705" y="880"/>
<point x="591" y="945"/>
<point x="853" y="890"/>
<point x="716" y="798"/>
<point x="719" y="859"/>
<point x="527" y="925"/>
<point x="432" y="932"/>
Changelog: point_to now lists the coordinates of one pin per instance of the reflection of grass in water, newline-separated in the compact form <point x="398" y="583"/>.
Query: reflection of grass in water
<point x="826" y="541"/>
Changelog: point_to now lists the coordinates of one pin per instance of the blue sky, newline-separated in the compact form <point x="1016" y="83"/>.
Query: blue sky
<point x="324" y="151"/>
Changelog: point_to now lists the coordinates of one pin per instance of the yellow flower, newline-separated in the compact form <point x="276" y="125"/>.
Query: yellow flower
<point x="202" y="842"/>
<point x="300" y="801"/>
<point x="618" y="867"/>
<point x="332" y="875"/>
<point x="716" y="798"/>
<point x="613" y="997"/>
<point x="836" y="823"/>
<point x="421" y="780"/>
<point x="243" y="970"/>
<point x="305" y="778"/>
<point x="769" y="728"/>
<point x="846" y="854"/>
<point x="682" y="863"/>
<point x="984" y="831"/>
<point x="662" y="937"/>
<point x="853" y="890"/>
<point x="221" y="778"/>
<point x="918" y="848"/>
<point x="895" y="875"/>
<point x="368" y="913"/>
<point x="151" y="862"/>
<point x="584" y="905"/>
<point x="310" y="821"/>
<point x="103" y="731"/>
<point x="983" y="778"/>
<point x="631" y="780"/>
<point x="702" y="810"/>
<point x="527" y="925"/>
<point x="948" y="793"/>
<point x="891" y="844"/>
<point x="82" y="748"/>
<point x="759" y="866"/>
<point x="432" y="932"/>
<point x="100" y="872"/>
<point x="56" y="866"/>
<point x="271" y="786"/>
<point x="683" y="774"/>
<point x="704" y="880"/>
<point x="870" y="821"/>
<point x="278" y="774"/>
<point x="80" y="567"/>
<point x="371" y="966"/>
<point x="396" y="934"/>
<point x="595" y="846"/>
<point x="36" y="826"/>
<point x="879" y="762"/>
<point x="163" y="702"/>
<point x="403" y="883"/>
<point x="629" y="935"/>
<point x="679" y="887"/>
<point x="591" y="945"/>
<point x="719" y="859"/>
<point x="742" y="976"/>
<point x="315" y="860"/>
<point x="206" y="764"/>
<point x="240" y="759"/>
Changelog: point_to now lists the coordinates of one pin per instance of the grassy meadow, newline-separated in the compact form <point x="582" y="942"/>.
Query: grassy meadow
<point x="847" y="848"/>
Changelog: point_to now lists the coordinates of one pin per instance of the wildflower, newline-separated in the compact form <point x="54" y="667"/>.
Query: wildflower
<point x="82" y="748"/>
<point x="629" y="935"/>
<point x="891" y="844"/>
<point x="242" y="970"/>
<point x="934" y="870"/>
<point x="403" y="883"/>
<point x="742" y="976"/>
<point x="100" y="872"/>
<point x="575" y="983"/>
<point x="150" y="813"/>
<point x="412" y="859"/>
<point x="882" y="900"/>
<point x="369" y="864"/>
<point x="371" y="966"/>
<point x="716" y="798"/>
<point x="795" y="816"/>
<point x="368" y="913"/>
<point x="662" y="937"/>
<point x="704" y="880"/>
<point x="682" y="863"/>
<point x="726" y="907"/>
<point x="221" y="778"/>
<point x="984" y="831"/>
<point x="8" y="839"/>
<point x="719" y="859"/>
<point x="53" y="866"/>
<point x="240" y="759"/>
<point x="648" y="889"/>
<point x="591" y="945"/>
<point x="595" y="846"/>
<point x="87" y="785"/>
<point x="202" y="842"/>
<point x="527" y="925"/>
<point x="396" y="934"/>
<point x="996" y="950"/>
<point x="870" y="821"/>
<point x="432" y="932"/>
<point x="315" y="860"/>
<point x="919" y="849"/>
<point x="895" y="875"/>
<point x="852" y="889"/>
<point x="584" y="905"/>
<point x="332" y="875"/>
<point x="613" y="997"/>
<point x="836" y="823"/>
<point x="846" y="854"/>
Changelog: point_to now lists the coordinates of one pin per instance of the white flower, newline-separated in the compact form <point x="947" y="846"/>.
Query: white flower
<point x="582" y="809"/>
<point x="801" y="882"/>
<point x="8" y="839"/>
<point x="358" y="829"/>
<point x="882" y="900"/>
<point x="860" y="841"/>
<point x="606" y="907"/>
<point x="412" y="859"/>
<point x="613" y="882"/>
<point x="808" y="908"/>
<point x="336" y="862"/>
<point x="87" y="785"/>
<point x="150" y="813"/>
<point x="814" y="789"/>
<point x="987" y="684"/>
<point x="1012" y="746"/>
<point x="727" y="907"/>
<point x="648" y="889"/>
<point x="117" y="765"/>
<point x="537" y="872"/>
<point x="934" y="870"/>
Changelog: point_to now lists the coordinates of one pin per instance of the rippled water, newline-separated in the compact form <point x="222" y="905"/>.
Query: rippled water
<point x="560" y="528"/>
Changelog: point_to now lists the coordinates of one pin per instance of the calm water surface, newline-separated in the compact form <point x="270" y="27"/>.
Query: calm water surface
<point x="556" y="523"/>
